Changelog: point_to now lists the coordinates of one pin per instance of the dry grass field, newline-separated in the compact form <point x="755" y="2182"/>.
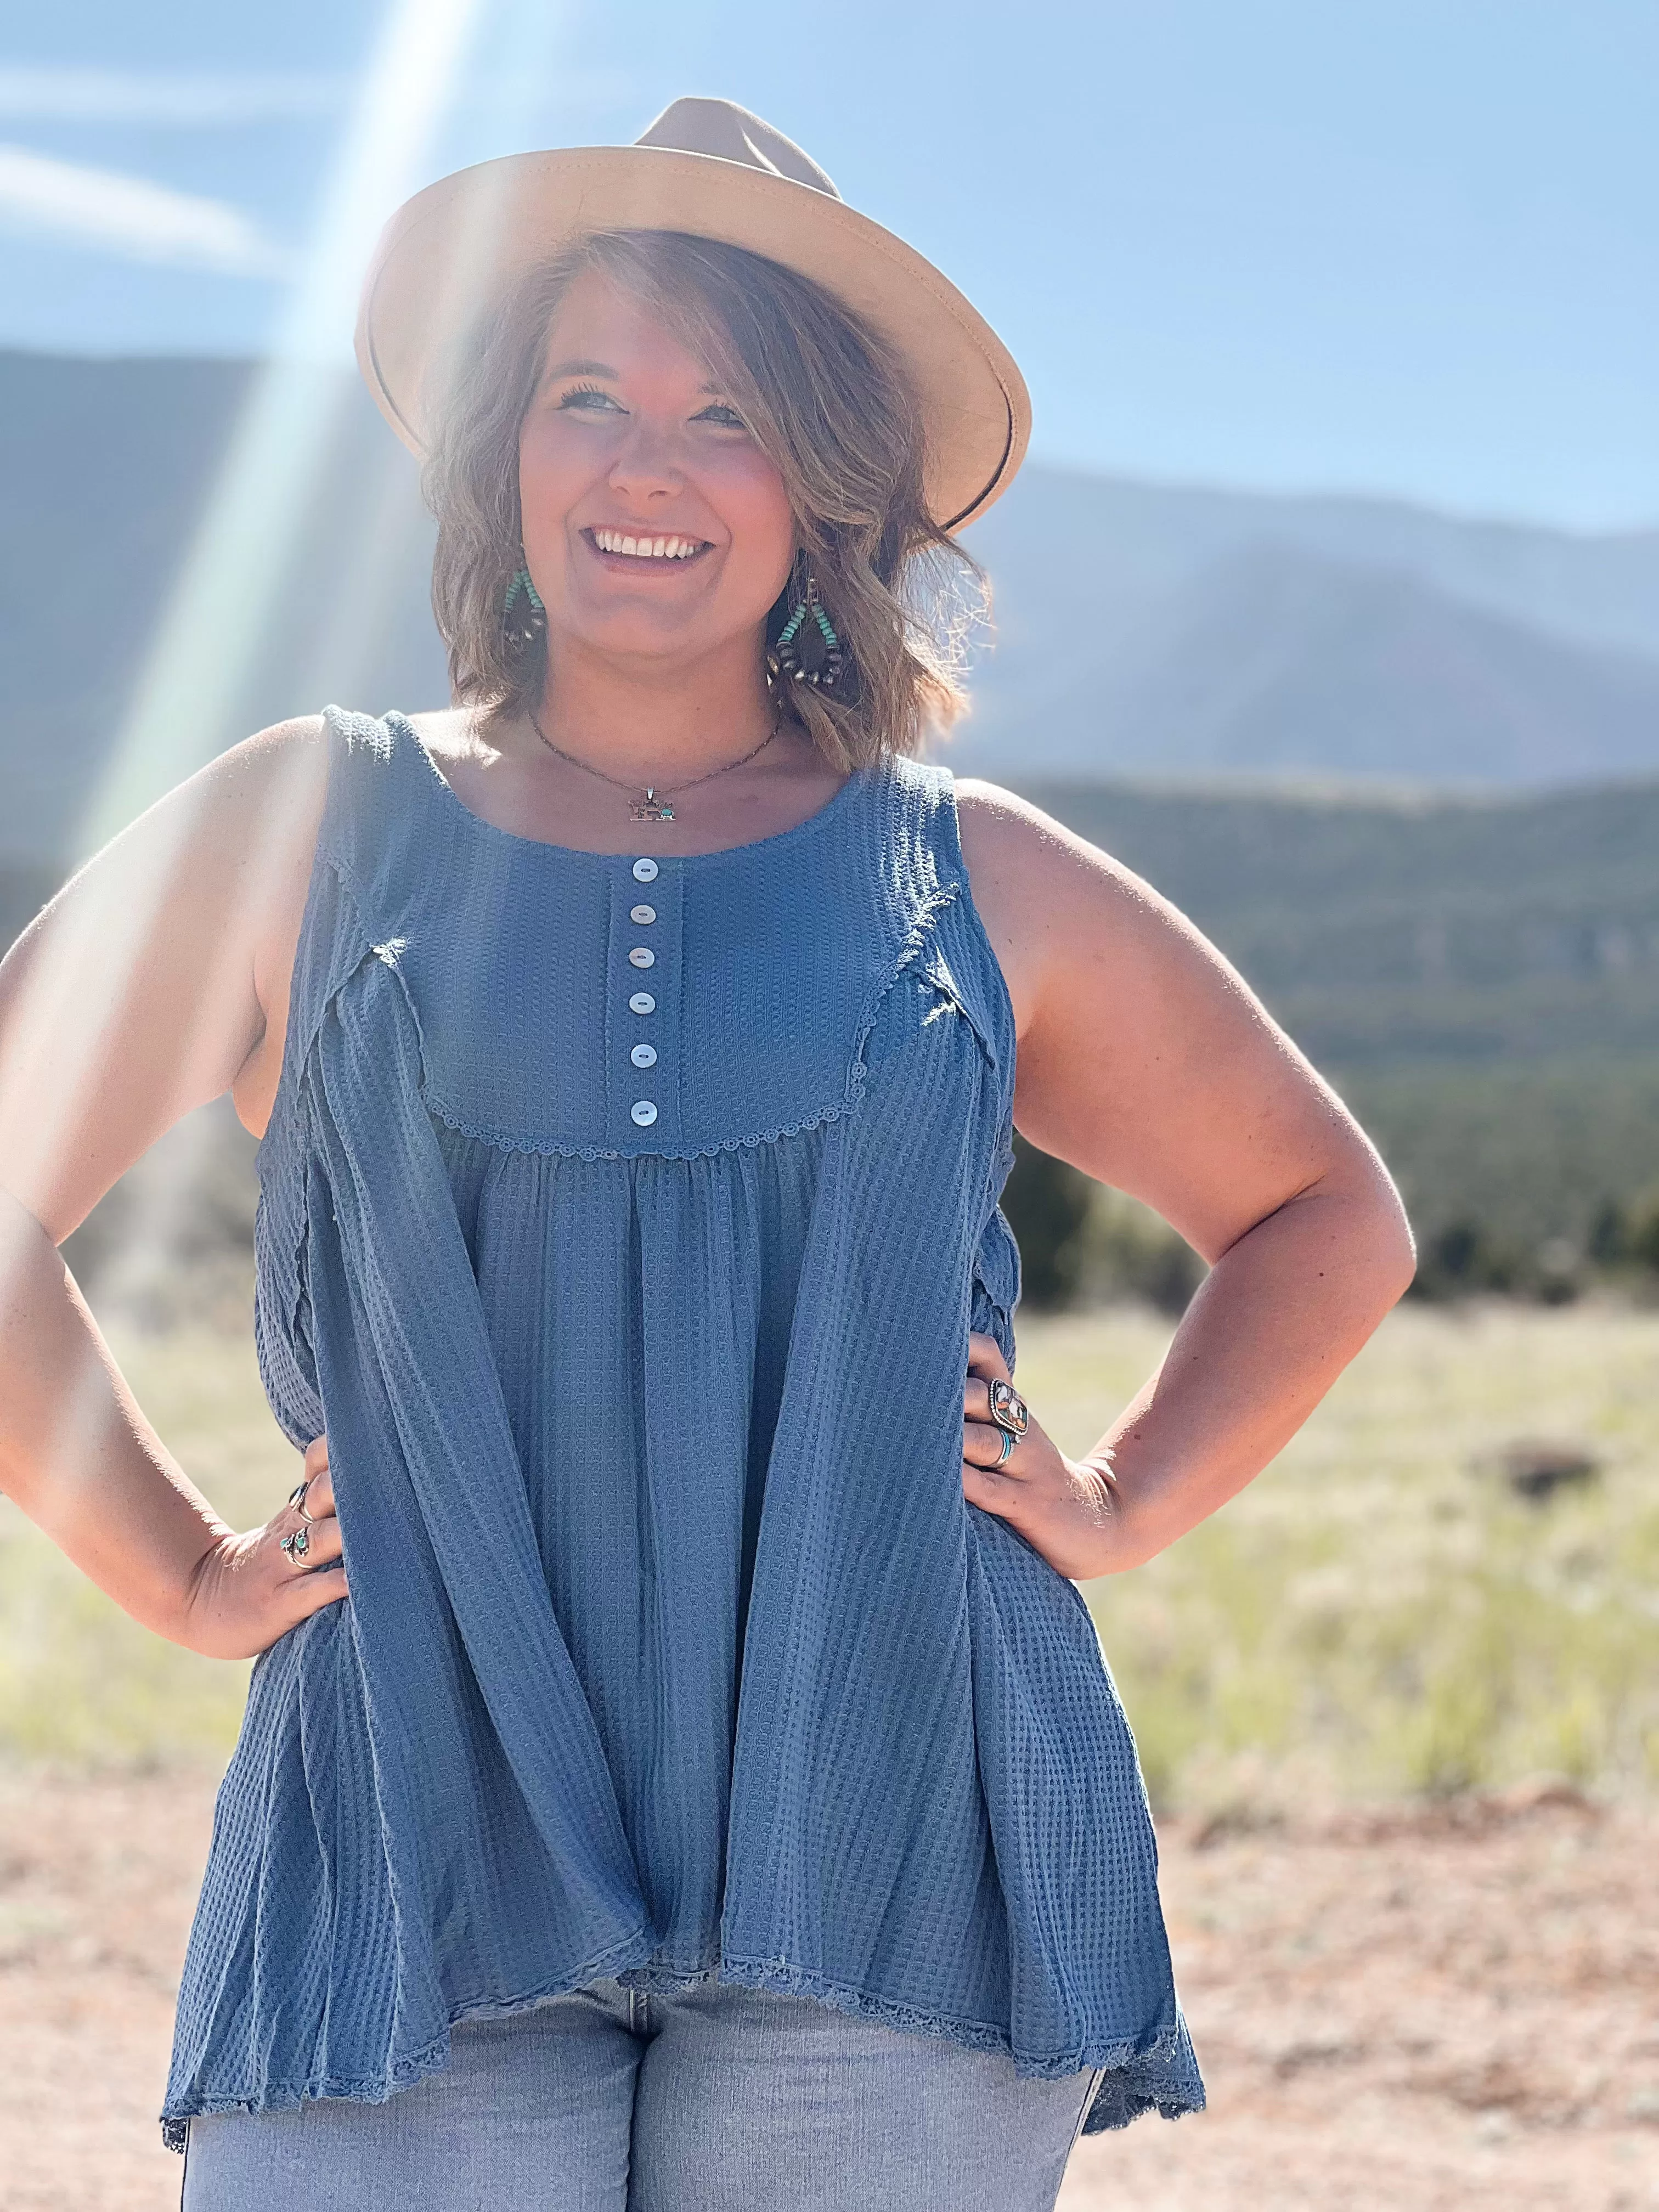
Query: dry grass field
<point x="1382" y="1613"/>
<point x="1402" y="1724"/>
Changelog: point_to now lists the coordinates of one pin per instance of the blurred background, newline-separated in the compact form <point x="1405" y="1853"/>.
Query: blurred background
<point x="1328" y="600"/>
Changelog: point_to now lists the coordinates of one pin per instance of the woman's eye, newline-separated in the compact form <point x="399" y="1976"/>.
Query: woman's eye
<point x="723" y="417"/>
<point x="587" y="399"/>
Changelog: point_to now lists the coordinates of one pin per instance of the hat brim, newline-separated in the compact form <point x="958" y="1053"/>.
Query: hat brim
<point x="455" y="248"/>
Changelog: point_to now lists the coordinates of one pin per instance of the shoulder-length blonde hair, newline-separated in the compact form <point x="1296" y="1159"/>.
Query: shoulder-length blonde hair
<point x="824" y="397"/>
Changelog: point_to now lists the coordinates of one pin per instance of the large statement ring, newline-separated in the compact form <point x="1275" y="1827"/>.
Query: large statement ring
<point x="293" y="1547"/>
<point x="1008" y="1411"/>
<point x="296" y="1498"/>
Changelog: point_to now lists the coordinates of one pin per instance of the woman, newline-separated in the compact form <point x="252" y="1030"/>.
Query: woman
<point x="633" y="1047"/>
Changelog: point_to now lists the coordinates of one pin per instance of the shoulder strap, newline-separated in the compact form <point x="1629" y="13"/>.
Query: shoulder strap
<point x="380" y="819"/>
<point x="960" y="959"/>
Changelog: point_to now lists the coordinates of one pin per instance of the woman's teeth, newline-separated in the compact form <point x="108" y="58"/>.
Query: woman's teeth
<point x="647" y="548"/>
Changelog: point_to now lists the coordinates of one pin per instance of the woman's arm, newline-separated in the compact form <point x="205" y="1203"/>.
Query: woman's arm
<point x="1146" y="1061"/>
<point x="156" y="980"/>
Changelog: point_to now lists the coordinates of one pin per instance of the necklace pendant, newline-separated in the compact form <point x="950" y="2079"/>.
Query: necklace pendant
<point x="652" y="809"/>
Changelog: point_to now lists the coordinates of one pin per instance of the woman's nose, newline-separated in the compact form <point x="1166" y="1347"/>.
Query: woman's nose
<point x="645" y="463"/>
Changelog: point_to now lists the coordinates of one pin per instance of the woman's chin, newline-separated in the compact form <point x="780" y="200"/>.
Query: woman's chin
<point x="634" y="635"/>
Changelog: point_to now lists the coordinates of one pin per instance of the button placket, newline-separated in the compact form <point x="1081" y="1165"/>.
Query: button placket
<point x="640" y="1081"/>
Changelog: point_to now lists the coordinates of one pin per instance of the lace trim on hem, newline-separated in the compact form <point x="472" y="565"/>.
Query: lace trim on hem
<point x="1133" y="2082"/>
<point x="1123" y="2059"/>
<point x="1126" y="2092"/>
<point x="431" y="2057"/>
<point x="1131" y="2085"/>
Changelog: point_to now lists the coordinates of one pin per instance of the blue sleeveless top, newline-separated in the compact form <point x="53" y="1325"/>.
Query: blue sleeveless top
<point x="623" y="1221"/>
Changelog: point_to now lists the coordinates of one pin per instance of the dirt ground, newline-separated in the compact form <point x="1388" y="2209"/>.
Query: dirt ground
<point x="1420" y="2009"/>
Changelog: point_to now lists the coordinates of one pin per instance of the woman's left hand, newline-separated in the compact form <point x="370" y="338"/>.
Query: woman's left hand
<point x="1063" y="1508"/>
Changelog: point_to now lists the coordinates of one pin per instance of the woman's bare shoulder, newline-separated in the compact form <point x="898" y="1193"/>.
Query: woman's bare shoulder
<point x="232" y="836"/>
<point x="158" y="976"/>
<point x="1040" y="888"/>
<point x="1145" y="1059"/>
<point x="231" y="848"/>
<point x="1001" y="830"/>
<point x="300" y="735"/>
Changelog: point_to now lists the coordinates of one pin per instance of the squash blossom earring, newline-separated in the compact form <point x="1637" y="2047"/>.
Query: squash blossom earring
<point x="806" y="648"/>
<point x="522" y="625"/>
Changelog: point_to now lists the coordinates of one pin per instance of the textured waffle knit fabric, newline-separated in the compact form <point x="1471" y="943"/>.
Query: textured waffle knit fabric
<point x="623" y="1221"/>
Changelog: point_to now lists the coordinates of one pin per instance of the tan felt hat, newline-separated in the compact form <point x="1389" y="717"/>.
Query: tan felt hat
<point x="709" y="168"/>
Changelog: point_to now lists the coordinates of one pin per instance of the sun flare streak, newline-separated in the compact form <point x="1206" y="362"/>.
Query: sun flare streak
<point x="247" y="536"/>
<point x="64" y="1030"/>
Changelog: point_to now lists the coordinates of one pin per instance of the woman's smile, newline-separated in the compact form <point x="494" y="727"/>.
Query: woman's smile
<point x="619" y="547"/>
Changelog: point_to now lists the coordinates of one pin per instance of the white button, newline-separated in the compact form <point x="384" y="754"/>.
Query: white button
<point x="643" y="1112"/>
<point x="644" y="1056"/>
<point x="643" y="1003"/>
<point x="642" y="957"/>
<point x="642" y="914"/>
<point x="645" y="871"/>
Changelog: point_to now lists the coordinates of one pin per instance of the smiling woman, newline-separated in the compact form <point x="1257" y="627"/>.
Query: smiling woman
<point x="708" y="1793"/>
<point x="807" y="430"/>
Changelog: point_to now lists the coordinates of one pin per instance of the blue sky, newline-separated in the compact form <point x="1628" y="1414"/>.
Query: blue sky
<point x="1397" y="245"/>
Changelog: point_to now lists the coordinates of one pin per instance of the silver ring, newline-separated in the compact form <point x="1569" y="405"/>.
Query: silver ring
<point x="296" y="1498"/>
<point x="1009" y="1411"/>
<point x="1008" y="1443"/>
<point x="295" y="1545"/>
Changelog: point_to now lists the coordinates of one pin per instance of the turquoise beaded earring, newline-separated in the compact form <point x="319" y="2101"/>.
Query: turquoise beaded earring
<point x="521" y="626"/>
<point x="806" y="649"/>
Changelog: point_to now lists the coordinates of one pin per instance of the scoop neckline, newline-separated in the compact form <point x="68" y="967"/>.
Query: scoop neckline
<point x="822" y="814"/>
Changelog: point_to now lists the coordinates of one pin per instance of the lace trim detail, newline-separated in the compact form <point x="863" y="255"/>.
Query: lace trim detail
<point x="1124" y="2058"/>
<point x="1128" y="2088"/>
<point x="431" y="2058"/>
<point x="546" y="1145"/>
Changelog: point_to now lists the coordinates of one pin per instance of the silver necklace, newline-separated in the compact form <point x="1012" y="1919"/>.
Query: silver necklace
<point x="644" y="805"/>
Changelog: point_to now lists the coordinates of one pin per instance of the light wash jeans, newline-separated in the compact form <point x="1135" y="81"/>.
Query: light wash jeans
<point x="705" y="2099"/>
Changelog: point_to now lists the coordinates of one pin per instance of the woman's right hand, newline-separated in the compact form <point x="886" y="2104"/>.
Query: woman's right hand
<point x="247" y="1591"/>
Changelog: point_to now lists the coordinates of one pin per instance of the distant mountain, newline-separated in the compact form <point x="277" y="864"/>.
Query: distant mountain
<point x="1270" y="659"/>
<point x="1097" y="546"/>
<point x="1140" y="626"/>
<point x="1151" y="629"/>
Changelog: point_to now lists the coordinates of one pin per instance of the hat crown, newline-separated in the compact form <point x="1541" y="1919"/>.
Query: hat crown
<point x="726" y="132"/>
<point x="705" y="168"/>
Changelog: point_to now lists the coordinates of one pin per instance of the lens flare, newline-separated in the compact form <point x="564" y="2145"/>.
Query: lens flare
<point x="209" y="633"/>
<point x="71" y="1042"/>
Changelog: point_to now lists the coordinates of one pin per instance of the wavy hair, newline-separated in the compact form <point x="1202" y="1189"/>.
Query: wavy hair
<point x="824" y="398"/>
